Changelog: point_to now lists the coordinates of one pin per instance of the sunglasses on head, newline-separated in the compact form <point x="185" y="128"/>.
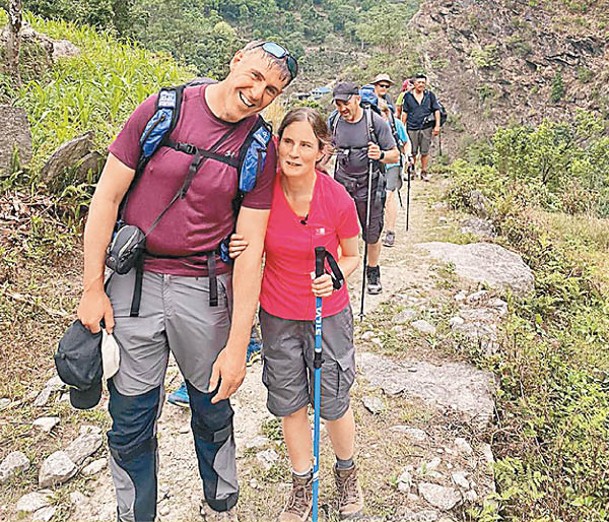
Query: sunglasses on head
<point x="281" y="53"/>
<point x="384" y="85"/>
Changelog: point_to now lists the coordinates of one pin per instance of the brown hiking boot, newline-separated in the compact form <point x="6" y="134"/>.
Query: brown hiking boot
<point x="350" y="496"/>
<point x="299" y="505"/>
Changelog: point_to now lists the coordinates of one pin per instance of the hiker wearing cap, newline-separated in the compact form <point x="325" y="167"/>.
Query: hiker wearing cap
<point x="407" y="86"/>
<point x="309" y="210"/>
<point x="393" y="172"/>
<point x="362" y="147"/>
<point x="382" y="83"/>
<point x="183" y="297"/>
<point x="419" y="107"/>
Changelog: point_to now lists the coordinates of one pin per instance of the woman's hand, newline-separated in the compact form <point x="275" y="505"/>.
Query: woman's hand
<point x="236" y="246"/>
<point x="322" y="286"/>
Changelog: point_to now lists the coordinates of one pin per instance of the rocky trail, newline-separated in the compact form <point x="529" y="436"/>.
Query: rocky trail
<point x="424" y="413"/>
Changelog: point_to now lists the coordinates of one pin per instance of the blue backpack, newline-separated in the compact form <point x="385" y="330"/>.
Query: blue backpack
<point x="157" y="133"/>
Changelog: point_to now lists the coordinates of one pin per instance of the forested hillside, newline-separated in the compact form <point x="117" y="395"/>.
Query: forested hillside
<point x="205" y="33"/>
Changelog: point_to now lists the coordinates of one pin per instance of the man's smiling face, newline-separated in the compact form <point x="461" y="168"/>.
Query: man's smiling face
<point x="253" y="83"/>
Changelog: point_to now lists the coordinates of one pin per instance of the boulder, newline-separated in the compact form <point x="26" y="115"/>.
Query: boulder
<point x="64" y="49"/>
<point x="56" y="469"/>
<point x="12" y="464"/>
<point x="451" y="386"/>
<point x="15" y="136"/>
<point x="486" y="263"/>
<point x="65" y="166"/>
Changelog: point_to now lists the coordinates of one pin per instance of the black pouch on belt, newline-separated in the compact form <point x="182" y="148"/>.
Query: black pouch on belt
<point x="126" y="249"/>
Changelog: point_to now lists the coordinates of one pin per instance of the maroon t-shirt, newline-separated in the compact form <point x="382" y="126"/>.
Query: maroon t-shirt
<point x="200" y="221"/>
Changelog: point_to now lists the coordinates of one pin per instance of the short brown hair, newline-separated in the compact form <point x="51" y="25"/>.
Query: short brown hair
<point x="318" y="124"/>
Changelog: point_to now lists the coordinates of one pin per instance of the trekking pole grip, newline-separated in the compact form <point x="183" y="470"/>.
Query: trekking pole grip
<point x="320" y="259"/>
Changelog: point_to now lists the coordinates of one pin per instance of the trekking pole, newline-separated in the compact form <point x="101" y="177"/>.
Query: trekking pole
<point x="410" y="170"/>
<point x="440" y="142"/>
<point x="320" y="257"/>
<point x="368" y="205"/>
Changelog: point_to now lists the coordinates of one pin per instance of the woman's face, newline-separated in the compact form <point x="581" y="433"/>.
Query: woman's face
<point x="298" y="149"/>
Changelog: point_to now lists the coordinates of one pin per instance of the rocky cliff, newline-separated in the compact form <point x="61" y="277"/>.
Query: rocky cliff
<point x="496" y="62"/>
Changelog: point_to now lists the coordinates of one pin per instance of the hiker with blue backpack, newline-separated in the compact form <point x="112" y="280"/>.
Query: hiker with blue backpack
<point x="423" y="116"/>
<point x="310" y="210"/>
<point x="364" y="145"/>
<point x="191" y="165"/>
<point x="393" y="172"/>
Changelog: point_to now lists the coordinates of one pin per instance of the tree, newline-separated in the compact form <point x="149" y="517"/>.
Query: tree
<point x="15" y="17"/>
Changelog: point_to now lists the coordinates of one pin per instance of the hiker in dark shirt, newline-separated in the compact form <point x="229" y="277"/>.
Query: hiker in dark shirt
<point x="382" y="83"/>
<point x="421" y="114"/>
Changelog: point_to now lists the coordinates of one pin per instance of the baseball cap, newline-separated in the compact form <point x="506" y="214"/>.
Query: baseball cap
<point x="344" y="90"/>
<point x="382" y="78"/>
<point x="79" y="364"/>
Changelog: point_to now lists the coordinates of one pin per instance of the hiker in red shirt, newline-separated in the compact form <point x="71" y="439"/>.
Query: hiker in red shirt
<point x="309" y="209"/>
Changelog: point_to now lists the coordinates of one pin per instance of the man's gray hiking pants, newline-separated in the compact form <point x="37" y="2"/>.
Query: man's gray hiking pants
<point x="174" y="315"/>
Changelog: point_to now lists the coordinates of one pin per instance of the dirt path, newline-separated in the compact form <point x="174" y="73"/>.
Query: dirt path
<point x="407" y="443"/>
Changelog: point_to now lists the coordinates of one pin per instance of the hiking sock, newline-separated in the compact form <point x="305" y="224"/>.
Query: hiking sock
<point x="344" y="464"/>
<point x="304" y="475"/>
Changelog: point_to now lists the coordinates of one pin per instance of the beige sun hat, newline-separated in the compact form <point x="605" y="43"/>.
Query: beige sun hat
<point x="382" y="78"/>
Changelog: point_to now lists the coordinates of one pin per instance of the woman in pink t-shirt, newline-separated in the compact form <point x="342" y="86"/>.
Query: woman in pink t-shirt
<point x="309" y="209"/>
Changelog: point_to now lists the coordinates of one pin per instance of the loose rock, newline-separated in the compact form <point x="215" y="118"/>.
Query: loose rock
<point x="439" y="496"/>
<point x="4" y="403"/>
<point x="95" y="467"/>
<point x="77" y="498"/>
<point x="373" y="404"/>
<point x="32" y="502"/>
<point x="12" y="464"/>
<point x="56" y="469"/>
<point x="405" y="481"/>
<point x="424" y="327"/>
<point x="412" y="433"/>
<point x="460" y="479"/>
<point x="267" y="458"/>
<point x="404" y="316"/>
<point x="84" y="446"/>
<point x="463" y="446"/>
<point x="46" y="424"/>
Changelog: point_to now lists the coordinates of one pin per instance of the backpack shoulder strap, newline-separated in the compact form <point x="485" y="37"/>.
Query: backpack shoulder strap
<point x="370" y="125"/>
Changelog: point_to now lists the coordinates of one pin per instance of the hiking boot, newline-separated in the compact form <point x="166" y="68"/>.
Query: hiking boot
<point x="350" y="496"/>
<point x="373" y="276"/>
<point x="299" y="505"/>
<point x="254" y="349"/>
<point x="209" y="515"/>
<point x="425" y="176"/>
<point x="180" y="397"/>
<point x="389" y="240"/>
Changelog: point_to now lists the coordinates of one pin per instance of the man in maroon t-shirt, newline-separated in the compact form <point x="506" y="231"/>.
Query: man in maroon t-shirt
<point x="208" y="342"/>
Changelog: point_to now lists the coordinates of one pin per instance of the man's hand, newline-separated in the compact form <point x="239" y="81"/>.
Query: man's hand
<point x="236" y="246"/>
<point x="436" y="130"/>
<point x="374" y="151"/>
<point x="229" y="371"/>
<point x="93" y="307"/>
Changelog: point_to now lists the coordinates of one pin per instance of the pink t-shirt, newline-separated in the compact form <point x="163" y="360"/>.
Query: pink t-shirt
<point x="290" y="250"/>
<point x="201" y="220"/>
